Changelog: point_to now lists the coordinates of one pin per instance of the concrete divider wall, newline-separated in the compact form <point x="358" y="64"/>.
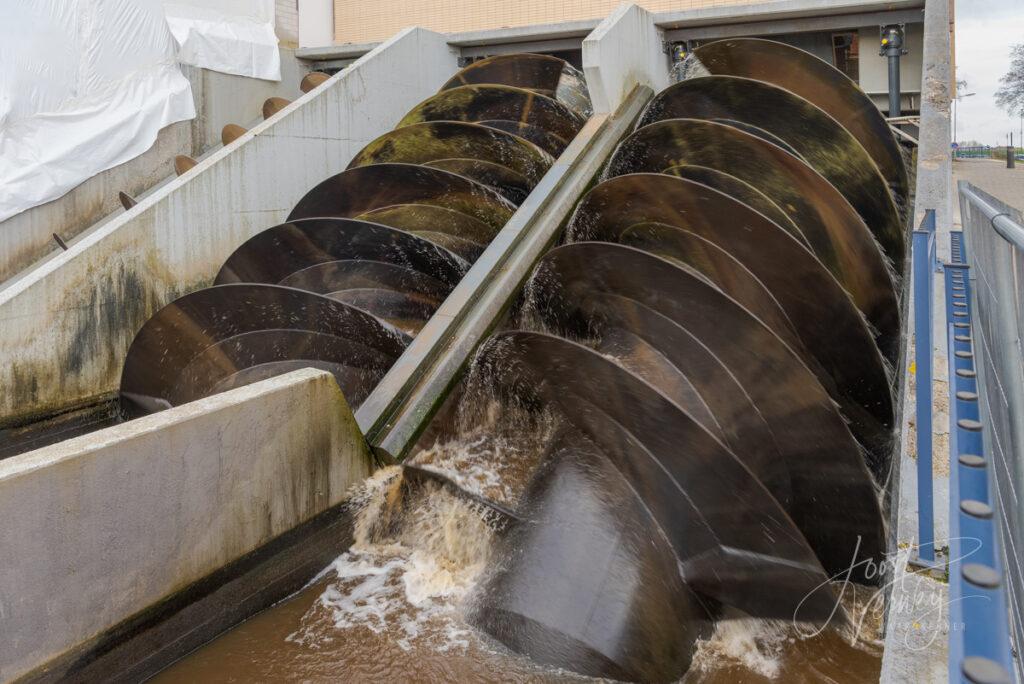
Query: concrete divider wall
<point x="623" y="51"/>
<point x="65" y="327"/>
<point x="100" y="527"/>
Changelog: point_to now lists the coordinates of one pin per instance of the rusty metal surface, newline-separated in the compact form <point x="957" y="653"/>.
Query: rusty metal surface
<point x="836" y="234"/>
<point x="476" y="103"/>
<point x="740" y="190"/>
<point x="819" y="82"/>
<point x="278" y="252"/>
<point x="504" y="161"/>
<point x="819" y="139"/>
<point x="511" y="185"/>
<point x="365" y="188"/>
<point x="581" y="514"/>
<point x="729" y="534"/>
<point x="465" y="235"/>
<point x="749" y="379"/>
<point x="228" y="335"/>
<point x="547" y="75"/>
<point x="547" y="141"/>
<point x="670" y="217"/>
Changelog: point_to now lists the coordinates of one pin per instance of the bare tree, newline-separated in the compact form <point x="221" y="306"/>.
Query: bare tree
<point x="1010" y="95"/>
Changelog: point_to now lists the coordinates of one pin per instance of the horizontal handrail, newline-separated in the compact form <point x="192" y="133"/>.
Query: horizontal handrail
<point x="1003" y="223"/>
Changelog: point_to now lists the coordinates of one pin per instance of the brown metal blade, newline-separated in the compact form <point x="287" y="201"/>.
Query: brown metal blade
<point x="475" y="103"/>
<point x="198" y="342"/>
<point x="741" y="191"/>
<point x="819" y="82"/>
<point x="584" y="581"/>
<point x="549" y="75"/>
<point x="549" y="142"/>
<point x="276" y="253"/>
<point x="836" y="234"/>
<point x="707" y="503"/>
<point x="748" y="378"/>
<point x="821" y="140"/>
<point x="682" y="219"/>
<point x="432" y="141"/>
<point x="359" y="190"/>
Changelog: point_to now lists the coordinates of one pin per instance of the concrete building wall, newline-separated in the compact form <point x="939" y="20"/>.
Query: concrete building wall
<point x="359" y="21"/>
<point x="26" y="238"/>
<point x="286" y="21"/>
<point x="65" y="327"/>
<point x="103" y="526"/>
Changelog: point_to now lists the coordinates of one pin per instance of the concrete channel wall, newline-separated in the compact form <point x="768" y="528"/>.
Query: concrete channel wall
<point x="219" y="98"/>
<point x="65" y="327"/>
<point x="101" y="527"/>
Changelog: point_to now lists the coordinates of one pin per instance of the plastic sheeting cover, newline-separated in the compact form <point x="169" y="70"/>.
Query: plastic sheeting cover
<point x="232" y="36"/>
<point x="85" y="85"/>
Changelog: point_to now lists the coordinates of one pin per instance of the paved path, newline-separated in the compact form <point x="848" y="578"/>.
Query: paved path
<point x="992" y="176"/>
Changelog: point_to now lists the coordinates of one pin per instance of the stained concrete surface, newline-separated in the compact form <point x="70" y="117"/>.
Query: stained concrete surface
<point x="110" y="523"/>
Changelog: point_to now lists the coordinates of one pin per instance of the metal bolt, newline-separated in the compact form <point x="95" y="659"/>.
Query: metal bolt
<point x="980" y="670"/>
<point x="969" y="424"/>
<point x="966" y="396"/>
<point x="978" y="509"/>
<point x="971" y="460"/>
<point x="980" y="575"/>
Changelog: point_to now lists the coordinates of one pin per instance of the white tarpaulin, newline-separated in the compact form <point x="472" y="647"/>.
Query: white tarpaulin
<point x="85" y="85"/>
<point x="232" y="36"/>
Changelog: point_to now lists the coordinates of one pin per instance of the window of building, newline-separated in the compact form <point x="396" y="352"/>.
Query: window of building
<point x="846" y="54"/>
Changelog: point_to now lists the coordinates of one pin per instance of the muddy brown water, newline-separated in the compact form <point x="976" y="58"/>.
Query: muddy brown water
<point x="391" y="608"/>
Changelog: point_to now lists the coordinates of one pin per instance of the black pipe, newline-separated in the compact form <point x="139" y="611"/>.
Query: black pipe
<point x="892" y="48"/>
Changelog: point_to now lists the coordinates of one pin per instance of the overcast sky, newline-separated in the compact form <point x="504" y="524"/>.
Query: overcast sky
<point x="985" y="30"/>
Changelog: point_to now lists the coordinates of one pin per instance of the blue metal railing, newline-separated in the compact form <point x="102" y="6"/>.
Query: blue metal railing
<point x="979" y="645"/>
<point x="923" y="260"/>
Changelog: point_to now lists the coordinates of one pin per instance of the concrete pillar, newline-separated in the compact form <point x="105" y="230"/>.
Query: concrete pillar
<point x="316" y="23"/>
<point x="624" y="50"/>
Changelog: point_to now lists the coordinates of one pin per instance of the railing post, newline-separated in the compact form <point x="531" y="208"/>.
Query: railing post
<point x="922" y="277"/>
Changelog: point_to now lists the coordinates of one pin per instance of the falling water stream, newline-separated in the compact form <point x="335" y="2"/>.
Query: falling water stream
<point x="392" y="607"/>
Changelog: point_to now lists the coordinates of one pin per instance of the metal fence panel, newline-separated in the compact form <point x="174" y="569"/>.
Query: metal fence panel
<point x="997" y="275"/>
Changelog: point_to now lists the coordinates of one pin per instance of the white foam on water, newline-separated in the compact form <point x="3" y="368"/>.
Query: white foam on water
<point x="756" y="645"/>
<point x="417" y="553"/>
